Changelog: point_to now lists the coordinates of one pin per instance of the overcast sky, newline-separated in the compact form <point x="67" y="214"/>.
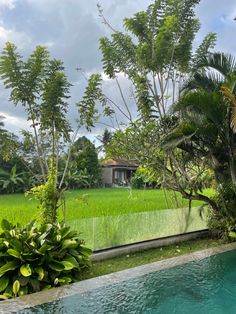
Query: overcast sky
<point x="71" y="30"/>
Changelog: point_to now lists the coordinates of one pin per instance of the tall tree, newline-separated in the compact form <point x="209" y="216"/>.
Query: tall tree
<point x="8" y="142"/>
<point x="105" y="139"/>
<point x="155" y="54"/>
<point x="207" y="124"/>
<point x="40" y="86"/>
<point x="84" y="157"/>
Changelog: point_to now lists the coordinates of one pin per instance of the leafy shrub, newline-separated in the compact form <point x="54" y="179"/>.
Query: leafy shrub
<point x="48" y="196"/>
<point x="218" y="225"/>
<point x="36" y="258"/>
<point x="137" y="182"/>
<point x="144" y="178"/>
<point x="223" y="222"/>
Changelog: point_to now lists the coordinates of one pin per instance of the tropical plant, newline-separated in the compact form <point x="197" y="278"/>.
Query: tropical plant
<point x="12" y="181"/>
<point x="35" y="258"/>
<point x="77" y="179"/>
<point x="48" y="196"/>
<point x="105" y="139"/>
<point x="208" y="105"/>
<point x="206" y="126"/>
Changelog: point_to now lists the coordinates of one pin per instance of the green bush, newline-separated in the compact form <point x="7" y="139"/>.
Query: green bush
<point x="223" y="222"/>
<point x="35" y="258"/>
<point x="137" y="182"/>
<point x="143" y="178"/>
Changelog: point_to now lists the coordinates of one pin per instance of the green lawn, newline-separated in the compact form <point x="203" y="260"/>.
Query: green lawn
<point x="91" y="203"/>
<point x="137" y="259"/>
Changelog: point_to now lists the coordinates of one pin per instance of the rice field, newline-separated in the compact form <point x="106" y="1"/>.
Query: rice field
<point x="93" y="203"/>
<point x="113" y="217"/>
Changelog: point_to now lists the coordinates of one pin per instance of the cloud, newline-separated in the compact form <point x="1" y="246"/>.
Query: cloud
<point x="10" y="4"/>
<point x="21" y="40"/>
<point x="218" y="18"/>
<point x="4" y="34"/>
<point x="71" y="29"/>
<point x="15" y="123"/>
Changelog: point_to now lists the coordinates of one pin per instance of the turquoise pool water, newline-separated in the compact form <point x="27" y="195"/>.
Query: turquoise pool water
<point x="205" y="286"/>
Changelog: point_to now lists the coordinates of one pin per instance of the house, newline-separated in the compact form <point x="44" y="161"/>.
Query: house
<point x="117" y="172"/>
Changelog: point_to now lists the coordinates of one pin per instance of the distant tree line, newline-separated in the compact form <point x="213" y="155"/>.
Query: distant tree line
<point x="18" y="175"/>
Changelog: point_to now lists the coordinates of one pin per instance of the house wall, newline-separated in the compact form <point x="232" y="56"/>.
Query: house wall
<point x="107" y="176"/>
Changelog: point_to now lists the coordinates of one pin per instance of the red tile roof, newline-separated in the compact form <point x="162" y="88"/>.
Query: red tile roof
<point x="119" y="163"/>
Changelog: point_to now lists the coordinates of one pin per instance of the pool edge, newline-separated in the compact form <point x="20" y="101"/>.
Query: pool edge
<point x="31" y="300"/>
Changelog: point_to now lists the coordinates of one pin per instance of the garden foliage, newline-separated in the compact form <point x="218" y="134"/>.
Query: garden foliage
<point x="48" y="196"/>
<point x="35" y="258"/>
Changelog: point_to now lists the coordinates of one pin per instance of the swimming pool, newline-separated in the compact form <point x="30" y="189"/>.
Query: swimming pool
<point x="203" y="282"/>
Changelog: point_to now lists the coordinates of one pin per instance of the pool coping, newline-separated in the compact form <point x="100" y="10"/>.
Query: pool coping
<point x="38" y="298"/>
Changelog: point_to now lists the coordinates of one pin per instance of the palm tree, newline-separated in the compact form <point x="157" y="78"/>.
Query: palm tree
<point x="207" y="113"/>
<point x="206" y="125"/>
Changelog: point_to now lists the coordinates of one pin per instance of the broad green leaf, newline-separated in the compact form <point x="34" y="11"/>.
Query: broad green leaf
<point x="74" y="252"/>
<point x="14" y="253"/>
<point x="68" y="265"/>
<point x="65" y="280"/>
<point x="65" y="231"/>
<point x="69" y="244"/>
<point x="17" y="245"/>
<point x="45" y="228"/>
<point x="4" y="283"/>
<point x="26" y="270"/>
<point x="232" y="234"/>
<point x="72" y="260"/>
<point x="40" y="272"/>
<point x="6" y="225"/>
<point x="6" y="243"/>
<point x="85" y="251"/>
<point x="45" y="248"/>
<point x="42" y="238"/>
<point x="12" y="232"/>
<point x="56" y="266"/>
<point x="72" y="234"/>
<point x="3" y="297"/>
<point x="8" y="266"/>
<point x="16" y="287"/>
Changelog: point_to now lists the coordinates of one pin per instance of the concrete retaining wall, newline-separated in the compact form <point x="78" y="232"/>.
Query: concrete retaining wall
<point x="139" y="247"/>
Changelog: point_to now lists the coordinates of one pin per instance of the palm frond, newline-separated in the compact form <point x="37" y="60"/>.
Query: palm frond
<point x="202" y="80"/>
<point x="231" y="99"/>
<point x="181" y="134"/>
<point x="221" y="62"/>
